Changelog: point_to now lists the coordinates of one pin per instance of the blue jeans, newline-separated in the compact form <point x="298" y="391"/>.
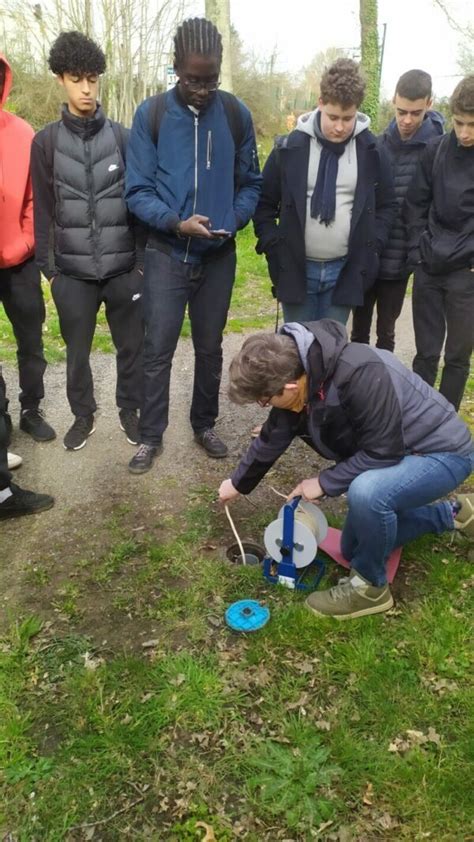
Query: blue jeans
<point x="321" y="278"/>
<point x="170" y="285"/>
<point x="390" y="506"/>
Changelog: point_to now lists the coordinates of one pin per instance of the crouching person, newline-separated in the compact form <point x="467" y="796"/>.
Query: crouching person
<point x="398" y="446"/>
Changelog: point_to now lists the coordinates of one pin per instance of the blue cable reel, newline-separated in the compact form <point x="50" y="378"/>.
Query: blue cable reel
<point x="291" y="542"/>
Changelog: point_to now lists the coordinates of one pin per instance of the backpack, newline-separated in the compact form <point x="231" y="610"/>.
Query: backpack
<point x="51" y="132"/>
<point x="233" y="113"/>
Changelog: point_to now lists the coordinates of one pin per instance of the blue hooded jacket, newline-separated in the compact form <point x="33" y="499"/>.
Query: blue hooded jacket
<point x="194" y="168"/>
<point x="404" y="156"/>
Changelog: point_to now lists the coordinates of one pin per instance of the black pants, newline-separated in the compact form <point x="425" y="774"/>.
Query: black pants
<point x="77" y="303"/>
<point x="22" y="298"/>
<point x="443" y="307"/>
<point x="170" y="285"/>
<point x="5" y="475"/>
<point x="389" y="297"/>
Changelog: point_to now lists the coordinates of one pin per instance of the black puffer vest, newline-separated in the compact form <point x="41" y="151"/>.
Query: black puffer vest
<point x="93" y="237"/>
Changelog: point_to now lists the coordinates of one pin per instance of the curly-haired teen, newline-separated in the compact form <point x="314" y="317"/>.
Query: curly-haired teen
<point x="396" y="445"/>
<point x="78" y="179"/>
<point x="20" y="281"/>
<point x="404" y="141"/>
<point x="327" y="204"/>
<point x="193" y="178"/>
<point x="439" y="213"/>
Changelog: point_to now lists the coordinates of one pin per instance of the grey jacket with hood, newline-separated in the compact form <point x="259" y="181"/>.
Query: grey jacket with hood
<point x="365" y="410"/>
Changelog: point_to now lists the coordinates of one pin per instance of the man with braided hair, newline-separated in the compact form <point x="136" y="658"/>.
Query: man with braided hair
<point x="195" y="183"/>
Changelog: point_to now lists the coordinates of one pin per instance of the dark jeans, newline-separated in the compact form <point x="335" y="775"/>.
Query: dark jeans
<point x="77" y="303"/>
<point x="5" y="475"/>
<point x="207" y="289"/>
<point x="389" y="297"/>
<point x="22" y="298"/>
<point x="443" y="307"/>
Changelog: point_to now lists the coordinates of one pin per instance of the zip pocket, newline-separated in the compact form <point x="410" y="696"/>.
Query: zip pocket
<point x="209" y="150"/>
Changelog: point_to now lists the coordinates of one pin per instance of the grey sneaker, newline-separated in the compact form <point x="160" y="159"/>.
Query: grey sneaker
<point x="33" y="422"/>
<point x="464" y="519"/>
<point x="144" y="458"/>
<point x="129" y="424"/>
<point x="77" y="435"/>
<point x="346" y="601"/>
<point x="212" y="444"/>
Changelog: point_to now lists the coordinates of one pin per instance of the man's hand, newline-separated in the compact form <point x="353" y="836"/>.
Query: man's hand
<point x="195" y="226"/>
<point x="308" y="489"/>
<point x="227" y="492"/>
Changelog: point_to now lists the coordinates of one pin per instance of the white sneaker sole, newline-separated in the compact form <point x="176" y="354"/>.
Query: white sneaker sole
<point x="364" y="612"/>
<point x="83" y="444"/>
<point x="14" y="461"/>
<point x="129" y="440"/>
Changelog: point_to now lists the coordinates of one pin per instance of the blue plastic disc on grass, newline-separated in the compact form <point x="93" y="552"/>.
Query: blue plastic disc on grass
<point x="247" y="615"/>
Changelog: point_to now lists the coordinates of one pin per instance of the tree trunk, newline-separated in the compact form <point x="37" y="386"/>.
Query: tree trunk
<point x="370" y="56"/>
<point x="219" y="12"/>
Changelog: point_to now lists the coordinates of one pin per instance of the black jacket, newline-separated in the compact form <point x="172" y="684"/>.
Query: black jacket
<point x="404" y="156"/>
<point x="365" y="411"/>
<point x="281" y="214"/>
<point x="78" y="188"/>
<point x="439" y="208"/>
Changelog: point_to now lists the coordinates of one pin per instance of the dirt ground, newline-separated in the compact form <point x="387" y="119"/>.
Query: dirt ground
<point x="93" y="485"/>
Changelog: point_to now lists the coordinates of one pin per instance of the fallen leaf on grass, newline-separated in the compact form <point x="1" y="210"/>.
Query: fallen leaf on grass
<point x="209" y="837"/>
<point x="323" y="725"/>
<point x="413" y="738"/>
<point x="368" y="795"/>
<point x="90" y="662"/>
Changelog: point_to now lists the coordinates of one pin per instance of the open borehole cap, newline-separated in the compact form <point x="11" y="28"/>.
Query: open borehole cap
<point x="247" y="615"/>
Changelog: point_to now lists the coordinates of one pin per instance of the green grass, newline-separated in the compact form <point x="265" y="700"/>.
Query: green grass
<point x="265" y="737"/>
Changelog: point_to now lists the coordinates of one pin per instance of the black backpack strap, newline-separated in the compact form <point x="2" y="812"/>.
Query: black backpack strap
<point x="233" y="112"/>
<point x="50" y="138"/>
<point x="442" y="145"/>
<point x="119" y="132"/>
<point x="157" y="109"/>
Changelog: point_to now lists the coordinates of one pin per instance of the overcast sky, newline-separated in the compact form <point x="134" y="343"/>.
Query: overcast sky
<point x="417" y="34"/>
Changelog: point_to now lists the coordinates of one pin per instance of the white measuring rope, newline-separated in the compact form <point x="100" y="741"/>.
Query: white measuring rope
<point x="234" y="530"/>
<point x="285" y="496"/>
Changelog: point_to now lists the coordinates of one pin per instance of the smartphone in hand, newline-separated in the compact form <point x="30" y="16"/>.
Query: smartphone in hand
<point x="219" y="232"/>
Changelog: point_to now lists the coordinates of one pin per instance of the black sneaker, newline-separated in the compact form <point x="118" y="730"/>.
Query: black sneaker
<point x="32" y="421"/>
<point x="22" y="502"/>
<point x="144" y="458"/>
<point x="129" y="424"/>
<point x="77" y="435"/>
<point x="212" y="444"/>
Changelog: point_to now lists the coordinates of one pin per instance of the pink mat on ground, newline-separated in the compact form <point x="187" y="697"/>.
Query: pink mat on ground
<point x="332" y="546"/>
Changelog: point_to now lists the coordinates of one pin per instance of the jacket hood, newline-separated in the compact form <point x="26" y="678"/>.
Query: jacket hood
<point x="331" y="337"/>
<point x="308" y="123"/>
<point x="432" y="126"/>
<point x="8" y="80"/>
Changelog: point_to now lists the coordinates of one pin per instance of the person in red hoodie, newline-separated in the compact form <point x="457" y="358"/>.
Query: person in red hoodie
<point x="20" y="280"/>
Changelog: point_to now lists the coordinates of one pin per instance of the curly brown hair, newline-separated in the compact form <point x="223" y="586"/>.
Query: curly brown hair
<point x="264" y="365"/>
<point x="343" y="84"/>
<point x="462" y="98"/>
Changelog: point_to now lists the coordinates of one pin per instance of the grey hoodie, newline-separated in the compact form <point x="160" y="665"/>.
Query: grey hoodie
<point x="330" y="242"/>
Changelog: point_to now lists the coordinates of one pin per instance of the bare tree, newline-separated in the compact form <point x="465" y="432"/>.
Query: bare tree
<point x="135" y="36"/>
